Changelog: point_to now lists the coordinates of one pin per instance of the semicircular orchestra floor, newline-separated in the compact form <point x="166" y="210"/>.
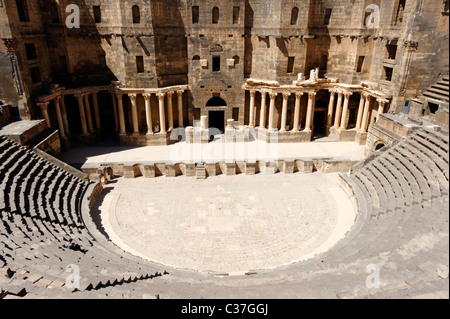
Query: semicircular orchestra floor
<point x="227" y="224"/>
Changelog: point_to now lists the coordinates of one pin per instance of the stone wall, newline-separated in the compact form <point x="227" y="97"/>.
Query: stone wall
<point x="267" y="39"/>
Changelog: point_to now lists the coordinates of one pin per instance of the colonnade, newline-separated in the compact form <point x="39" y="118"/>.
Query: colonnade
<point x="91" y="121"/>
<point x="164" y="112"/>
<point x="338" y="109"/>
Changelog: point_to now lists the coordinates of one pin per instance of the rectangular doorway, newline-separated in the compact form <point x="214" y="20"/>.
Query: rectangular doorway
<point x="217" y="120"/>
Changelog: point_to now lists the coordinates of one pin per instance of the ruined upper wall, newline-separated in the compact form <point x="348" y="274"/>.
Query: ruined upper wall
<point x="273" y="39"/>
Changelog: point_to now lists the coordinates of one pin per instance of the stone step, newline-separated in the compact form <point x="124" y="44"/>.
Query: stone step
<point x="413" y="184"/>
<point x="433" y="145"/>
<point x="431" y="165"/>
<point x="432" y="157"/>
<point x="200" y="171"/>
<point x="429" y="177"/>
<point x="19" y="176"/>
<point x="438" y="91"/>
<point x="442" y="138"/>
<point x="435" y="96"/>
<point x="369" y="189"/>
<point x="442" y="87"/>
<point x="386" y="179"/>
<point x="379" y="190"/>
<point x="395" y="176"/>
<point x="416" y="175"/>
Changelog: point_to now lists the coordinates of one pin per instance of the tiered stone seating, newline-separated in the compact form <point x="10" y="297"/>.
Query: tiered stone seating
<point x="39" y="210"/>
<point x="439" y="91"/>
<point x="401" y="195"/>
<point x="402" y="225"/>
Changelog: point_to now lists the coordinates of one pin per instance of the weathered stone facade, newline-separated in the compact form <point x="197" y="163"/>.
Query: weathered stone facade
<point x="222" y="57"/>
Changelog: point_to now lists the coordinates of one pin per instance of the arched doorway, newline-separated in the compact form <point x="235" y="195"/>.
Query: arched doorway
<point x="378" y="146"/>
<point x="216" y="113"/>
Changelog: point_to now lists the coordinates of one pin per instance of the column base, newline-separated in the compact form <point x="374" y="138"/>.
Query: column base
<point x="342" y="135"/>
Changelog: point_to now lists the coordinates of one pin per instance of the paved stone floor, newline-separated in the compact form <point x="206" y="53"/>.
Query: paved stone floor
<point x="227" y="224"/>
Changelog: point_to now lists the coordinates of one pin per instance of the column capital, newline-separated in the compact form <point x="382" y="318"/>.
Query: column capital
<point x="147" y="95"/>
<point x="312" y="94"/>
<point x="382" y="101"/>
<point x="347" y="94"/>
<point x="365" y="95"/>
<point x="58" y="98"/>
<point x="170" y="93"/>
<point x="132" y="97"/>
<point x="273" y="95"/>
<point x="333" y="91"/>
<point x="411" y="46"/>
<point x="79" y="95"/>
<point x="286" y="95"/>
<point x="43" y="105"/>
<point x="299" y="94"/>
<point x="180" y="92"/>
<point x="161" y="96"/>
<point x="118" y="94"/>
<point x="252" y="93"/>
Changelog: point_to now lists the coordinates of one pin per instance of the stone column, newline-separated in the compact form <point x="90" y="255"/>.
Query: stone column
<point x="170" y="110"/>
<point x="162" y="115"/>
<point x="80" y="98"/>
<point x="123" y="128"/>
<point x="310" y="111"/>
<point x="262" y="119"/>
<point x="44" y="109"/>
<point x="360" y="111"/>
<point x="284" y="112"/>
<point x="381" y="105"/>
<point x="298" y="97"/>
<point x="134" y="113"/>
<point x="272" y="109"/>
<point x="365" y="115"/>
<point x="338" y="110"/>
<point x="344" y="119"/>
<point x="252" y="108"/>
<point x="116" y="115"/>
<point x="148" y="113"/>
<point x="88" y="112"/>
<point x="331" y="108"/>
<point x="98" y="123"/>
<point x="64" y="116"/>
<point x="59" y="117"/>
<point x="180" y="109"/>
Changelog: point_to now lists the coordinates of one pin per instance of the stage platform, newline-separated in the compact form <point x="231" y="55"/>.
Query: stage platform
<point x="324" y="155"/>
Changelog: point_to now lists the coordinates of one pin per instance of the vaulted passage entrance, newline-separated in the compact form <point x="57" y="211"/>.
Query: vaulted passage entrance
<point x="216" y="113"/>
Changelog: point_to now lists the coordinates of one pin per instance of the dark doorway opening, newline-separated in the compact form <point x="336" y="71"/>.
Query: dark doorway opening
<point x="320" y="126"/>
<point x="216" y="63"/>
<point x="379" y="147"/>
<point x="433" y="107"/>
<point x="217" y="120"/>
